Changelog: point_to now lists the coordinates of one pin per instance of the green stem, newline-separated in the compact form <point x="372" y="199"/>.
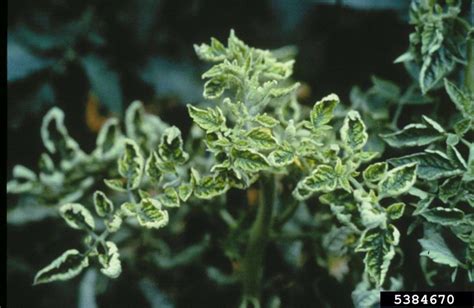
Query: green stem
<point x="398" y="112"/>
<point x="356" y="184"/>
<point x="252" y="264"/>
<point x="469" y="72"/>
<point x="287" y="213"/>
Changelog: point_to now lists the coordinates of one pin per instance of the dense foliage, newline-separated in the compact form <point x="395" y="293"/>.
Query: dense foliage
<point x="319" y="174"/>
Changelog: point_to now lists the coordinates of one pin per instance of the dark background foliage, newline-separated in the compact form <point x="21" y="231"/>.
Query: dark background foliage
<point x="92" y="58"/>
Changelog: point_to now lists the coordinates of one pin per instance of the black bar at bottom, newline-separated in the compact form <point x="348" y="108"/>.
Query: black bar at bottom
<point x="389" y="299"/>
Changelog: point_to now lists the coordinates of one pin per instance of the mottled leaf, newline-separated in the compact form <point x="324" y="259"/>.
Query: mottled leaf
<point x="210" y="120"/>
<point x="169" y="197"/>
<point x="322" y="112"/>
<point x="398" y="180"/>
<point x="151" y="215"/>
<point x="77" y="216"/>
<point x="281" y="157"/>
<point x="262" y="138"/>
<point x="379" y="247"/>
<point x="395" y="210"/>
<point x="431" y="165"/>
<point x="266" y="120"/>
<point x="130" y="165"/>
<point x="171" y="146"/>
<point x="375" y="172"/>
<point x="248" y="160"/>
<point x="67" y="266"/>
<point x="111" y="265"/>
<point x="353" y="132"/>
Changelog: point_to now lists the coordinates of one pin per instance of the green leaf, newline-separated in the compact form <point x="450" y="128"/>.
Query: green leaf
<point x="398" y="180"/>
<point x="379" y="247"/>
<point x="145" y="129"/>
<point x="342" y="206"/>
<point x="281" y="157"/>
<point x="433" y="124"/>
<point x="322" y="112"/>
<point x="129" y="209"/>
<point x="432" y="165"/>
<point x="110" y="261"/>
<point x="464" y="101"/>
<point x="67" y="266"/>
<point x="53" y="130"/>
<point x="209" y="187"/>
<point x="214" y="87"/>
<point x="395" y="211"/>
<point x="372" y="216"/>
<point x="461" y="127"/>
<point x="116" y="184"/>
<point x="366" y="156"/>
<point x="323" y="179"/>
<point x="450" y="188"/>
<point x="412" y="135"/>
<point x="385" y="88"/>
<point x="171" y="146"/>
<point x="375" y="172"/>
<point x="185" y="191"/>
<point x="469" y="175"/>
<point x="353" y="132"/>
<point x="266" y="120"/>
<point x="77" y="216"/>
<point x="169" y="197"/>
<point x="103" y="205"/>
<point x="151" y="215"/>
<point x="22" y="172"/>
<point x="114" y="223"/>
<point x="108" y="141"/>
<point x="153" y="167"/>
<point x="365" y="296"/>
<point x="57" y="140"/>
<point x="210" y="120"/>
<point x="24" y="180"/>
<point x="335" y="241"/>
<point x="215" y="52"/>
<point x="443" y="216"/>
<point x="248" y="160"/>
<point x="130" y="165"/>
<point x="283" y="93"/>
<point x="433" y="70"/>
<point x="262" y="138"/>
<point x="435" y="248"/>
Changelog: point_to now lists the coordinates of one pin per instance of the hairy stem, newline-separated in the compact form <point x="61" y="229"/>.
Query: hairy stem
<point x="252" y="264"/>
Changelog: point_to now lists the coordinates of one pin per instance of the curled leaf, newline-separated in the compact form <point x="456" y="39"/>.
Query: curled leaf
<point x="67" y="266"/>
<point x="77" y="216"/>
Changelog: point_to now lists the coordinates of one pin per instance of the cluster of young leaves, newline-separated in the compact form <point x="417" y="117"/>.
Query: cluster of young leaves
<point x="356" y="197"/>
<point x="244" y="139"/>
<point x="145" y="134"/>
<point x="445" y="187"/>
<point x="438" y="44"/>
<point x="310" y="146"/>
<point x="65" y="171"/>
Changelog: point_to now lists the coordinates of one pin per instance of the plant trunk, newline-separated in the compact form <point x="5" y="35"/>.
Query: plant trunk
<point x="252" y="264"/>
